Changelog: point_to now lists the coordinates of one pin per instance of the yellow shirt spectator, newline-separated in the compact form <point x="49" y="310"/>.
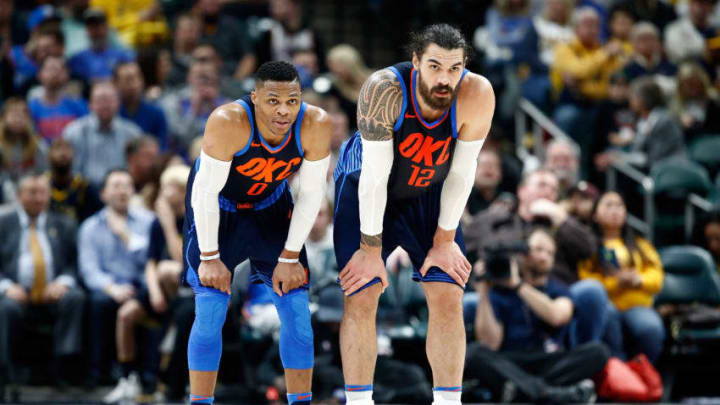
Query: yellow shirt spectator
<point x="586" y="69"/>
<point x="138" y="22"/>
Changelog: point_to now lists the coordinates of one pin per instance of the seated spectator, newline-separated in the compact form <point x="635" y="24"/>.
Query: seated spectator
<point x="185" y="38"/>
<point x="620" y="21"/>
<point x="658" y="135"/>
<point x="487" y="179"/>
<point x="707" y="234"/>
<point x="162" y="279"/>
<point x="155" y="64"/>
<point x="73" y="28"/>
<point x="142" y="159"/>
<point x="138" y="23"/>
<point x="686" y="37"/>
<point x="38" y="277"/>
<point x="553" y="28"/>
<point x="581" y="201"/>
<point x="615" y="129"/>
<point x="131" y="86"/>
<point x="521" y="319"/>
<point x="307" y="65"/>
<point x="188" y="109"/>
<point x="537" y="196"/>
<point x="112" y="253"/>
<point x="98" y="138"/>
<point x="26" y="59"/>
<point x="580" y="77"/>
<point x="71" y="195"/>
<point x="98" y="61"/>
<point x="563" y="159"/>
<point x="348" y="73"/>
<point x="647" y="57"/>
<point x="229" y="35"/>
<point x="659" y="13"/>
<point x="319" y="249"/>
<point x="631" y="271"/>
<point x="696" y="104"/>
<point x="21" y="149"/>
<point x="54" y="109"/>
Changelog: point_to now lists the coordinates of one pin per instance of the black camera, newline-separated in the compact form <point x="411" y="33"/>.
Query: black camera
<point x="499" y="256"/>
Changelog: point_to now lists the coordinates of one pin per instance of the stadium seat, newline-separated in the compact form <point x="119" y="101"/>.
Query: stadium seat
<point x="675" y="179"/>
<point x="706" y="151"/>
<point x="690" y="277"/>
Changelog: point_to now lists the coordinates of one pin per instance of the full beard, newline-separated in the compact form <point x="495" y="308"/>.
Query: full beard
<point x="436" y="103"/>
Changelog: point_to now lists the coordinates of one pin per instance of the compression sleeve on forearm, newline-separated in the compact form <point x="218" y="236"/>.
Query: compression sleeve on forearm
<point x="458" y="184"/>
<point x="209" y="180"/>
<point x="312" y="184"/>
<point x="377" y="160"/>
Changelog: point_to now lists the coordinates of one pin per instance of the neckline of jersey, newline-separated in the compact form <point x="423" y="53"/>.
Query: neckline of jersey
<point x="416" y="108"/>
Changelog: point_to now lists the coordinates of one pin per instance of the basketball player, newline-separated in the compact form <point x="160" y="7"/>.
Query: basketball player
<point x="403" y="180"/>
<point x="239" y="206"/>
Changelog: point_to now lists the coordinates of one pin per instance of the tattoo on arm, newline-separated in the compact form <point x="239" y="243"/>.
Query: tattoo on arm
<point x="379" y="106"/>
<point x="371" y="240"/>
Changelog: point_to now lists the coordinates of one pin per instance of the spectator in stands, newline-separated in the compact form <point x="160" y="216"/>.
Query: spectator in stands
<point x="657" y="12"/>
<point x="319" y="248"/>
<point x="615" y="129"/>
<point x="620" y="21"/>
<point x="707" y="234"/>
<point x="98" y="61"/>
<point x="553" y="28"/>
<point x="21" y="149"/>
<point x="155" y="64"/>
<point x="112" y="251"/>
<point x="138" y="23"/>
<point x="228" y="35"/>
<point x="487" y="179"/>
<point x="73" y="28"/>
<point x="563" y="159"/>
<point x="696" y="104"/>
<point x="142" y="157"/>
<point x="53" y="110"/>
<point x="162" y="279"/>
<point x="686" y="38"/>
<point x="658" y="135"/>
<point x="631" y="271"/>
<point x="520" y="324"/>
<point x="71" y="195"/>
<point x="187" y="110"/>
<point x="38" y="276"/>
<point x="131" y="86"/>
<point x="647" y="57"/>
<point x="348" y="72"/>
<point x="581" y="201"/>
<point x="27" y="58"/>
<point x="580" y="77"/>
<point x="185" y="39"/>
<point x="537" y="196"/>
<point x="99" y="138"/>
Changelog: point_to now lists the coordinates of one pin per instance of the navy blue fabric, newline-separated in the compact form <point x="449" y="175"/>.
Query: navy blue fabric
<point x="522" y="329"/>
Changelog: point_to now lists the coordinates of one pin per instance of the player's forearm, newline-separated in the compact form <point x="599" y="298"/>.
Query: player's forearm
<point x="458" y="184"/>
<point x="372" y="190"/>
<point x="311" y="177"/>
<point x="209" y="180"/>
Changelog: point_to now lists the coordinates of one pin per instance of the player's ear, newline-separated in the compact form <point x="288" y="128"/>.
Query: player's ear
<point x="253" y="97"/>
<point x="415" y="61"/>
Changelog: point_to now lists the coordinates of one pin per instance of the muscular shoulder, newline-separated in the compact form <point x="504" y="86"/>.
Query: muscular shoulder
<point x="379" y="105"/>
<point x="475" y="107"/>
<point x="227" y="130"/>
<point x="316" y="131"/>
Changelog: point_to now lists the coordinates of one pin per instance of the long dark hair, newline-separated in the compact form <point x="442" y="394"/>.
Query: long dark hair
<point x="628" y="236"/>
<point x="698" y="235"/>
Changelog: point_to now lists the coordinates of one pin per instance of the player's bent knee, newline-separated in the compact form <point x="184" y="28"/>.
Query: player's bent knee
<point x="444" y="297"/>
<point x="364" y="303"/>
<point x="296" y="335"/>
<point x="205" y="345"/>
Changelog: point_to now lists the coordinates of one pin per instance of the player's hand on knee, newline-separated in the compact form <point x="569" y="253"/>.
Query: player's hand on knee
<point x="287" y="277"/>
<point x="450" y="259"/>
<point x="214" y="273"/>
<point x="362" y="268"/>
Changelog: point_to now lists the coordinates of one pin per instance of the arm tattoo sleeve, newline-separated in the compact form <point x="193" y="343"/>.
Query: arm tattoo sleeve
<point x="379" y="106"/>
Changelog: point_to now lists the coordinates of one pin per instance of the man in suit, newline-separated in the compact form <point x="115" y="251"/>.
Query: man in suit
<point x="37" y="273"/>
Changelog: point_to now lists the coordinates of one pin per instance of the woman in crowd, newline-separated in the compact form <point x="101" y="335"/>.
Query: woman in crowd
<point x="20" y="147"/>
<point x="630" y="268"/>
<point x="696" y="105"/>
<point x="348" y="75"/>
<point x="707" y="234"/>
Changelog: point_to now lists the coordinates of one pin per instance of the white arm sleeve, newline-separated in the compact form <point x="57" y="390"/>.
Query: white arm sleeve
<point x="209" y="180"/>
<point x="311" y="187"/>
<point x="458" y="183"/>
<point x="377" y="160"/>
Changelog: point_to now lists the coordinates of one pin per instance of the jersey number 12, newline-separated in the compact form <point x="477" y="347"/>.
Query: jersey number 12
<point x="420" y="177"/>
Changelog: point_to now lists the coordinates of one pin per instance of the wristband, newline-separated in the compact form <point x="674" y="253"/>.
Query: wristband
<point x="287" y="260"/>
<point x="208" y="258"/>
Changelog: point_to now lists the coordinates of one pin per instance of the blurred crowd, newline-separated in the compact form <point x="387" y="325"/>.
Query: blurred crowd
<point x="103" y="104"/>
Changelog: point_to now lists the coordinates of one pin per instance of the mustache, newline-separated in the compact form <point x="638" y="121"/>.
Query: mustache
<point x="442" y="88"/>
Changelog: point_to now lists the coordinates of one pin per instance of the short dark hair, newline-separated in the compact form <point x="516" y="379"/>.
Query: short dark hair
<point x="134" y="145"/>
<point x="649" y="92"/>
<point x="443" y="35"/>
<point x="120" y="65"/>
<point x="110" y="173"/>
<point x="277" y="71"/>
<point x="57" y="35"/>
